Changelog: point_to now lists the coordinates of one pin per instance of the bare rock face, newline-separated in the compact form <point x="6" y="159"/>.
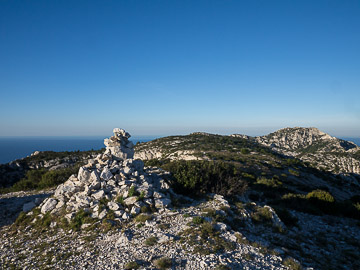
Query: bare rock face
<point x="294" y="138"/>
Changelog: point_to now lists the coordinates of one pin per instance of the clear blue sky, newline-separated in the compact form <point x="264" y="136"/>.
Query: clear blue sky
<point x="174" y="67"/>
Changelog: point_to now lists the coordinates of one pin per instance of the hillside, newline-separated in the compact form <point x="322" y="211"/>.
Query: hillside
<point x="39" y="164"/>
<point x="312" y="145"/>
<point x="200" y="201"/>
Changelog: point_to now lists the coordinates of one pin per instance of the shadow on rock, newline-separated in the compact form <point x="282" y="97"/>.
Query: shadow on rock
<point x="10" y="207"/>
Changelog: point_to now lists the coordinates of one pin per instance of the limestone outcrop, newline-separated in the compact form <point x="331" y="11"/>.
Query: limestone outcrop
<point x="314" y="146"/>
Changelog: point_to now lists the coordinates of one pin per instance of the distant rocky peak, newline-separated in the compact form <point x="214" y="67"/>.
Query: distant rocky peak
<point x="300" y="133"/>
<point x="300" y="138"/>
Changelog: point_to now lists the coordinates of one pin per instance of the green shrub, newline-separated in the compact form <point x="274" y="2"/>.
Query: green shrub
<point x="320" y="195"/>
<point x="200" y="177"/>
<point x="164" y="226"/>
<point x="210" y="212"/>
<point x="222" y="267"/>
<point x="245" y="151"/>
<point x="132" y="191"/>
<point x="142" y="218"/>
<point x="120" y="200"/>
<point x="151" y="241"/>
<point x="261" y="215"/>
<point x="357" y="206"/>
<point x="273" y="182"/>
<point x="294" y="172"/>
<point x="21" y="218"/>
<point x="132" y="265"/>
<point x="197" y="220"/>
<point x="144" y="209"/>
<point x="81" y="217"/>
<point x="141" y="196"/>
<point x="249" y="176"/>
<point x="292" y="264"/>
<point x="163" y="263"/>
<point x="239" y="205"/>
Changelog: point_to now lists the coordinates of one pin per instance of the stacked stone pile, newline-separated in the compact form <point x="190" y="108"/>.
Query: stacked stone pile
<point x="113" y="178"/>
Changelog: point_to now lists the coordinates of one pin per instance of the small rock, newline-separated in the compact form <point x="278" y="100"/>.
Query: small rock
<point x="102" y="214"/>
<point x="130" y="200"/>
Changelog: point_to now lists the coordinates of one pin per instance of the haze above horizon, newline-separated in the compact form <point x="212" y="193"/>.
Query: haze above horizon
<point x="80" y="68"/>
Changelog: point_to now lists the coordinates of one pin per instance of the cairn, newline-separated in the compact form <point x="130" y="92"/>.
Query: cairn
<point x="119" y="145"/>
<point x="115" y="178"/>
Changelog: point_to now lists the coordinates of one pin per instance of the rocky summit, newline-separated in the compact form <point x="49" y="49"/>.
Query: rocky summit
<point x="200" y="201"/>
<point x="112" y="177"/>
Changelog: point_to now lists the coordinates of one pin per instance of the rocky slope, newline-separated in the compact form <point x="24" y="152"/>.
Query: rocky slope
<point x="14" y="171"/>
<point x="116" y="213"/>
<point x="312" y="145"/>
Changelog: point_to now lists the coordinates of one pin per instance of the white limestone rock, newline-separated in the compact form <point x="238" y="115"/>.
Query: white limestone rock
<point x="162" y="203"/>
<point x="102" y="214"/>
<point x="119" y="213"/>
<point x="126" y="216"/>
<point x="135" y="210"/>
<point x="98" y="194"/>
<point x="83" y="175"/>
<point x="49" y="205"/>
<point x="113" y="206"/>
<point x="130" y="200"/>
<point x="106" y="174"/>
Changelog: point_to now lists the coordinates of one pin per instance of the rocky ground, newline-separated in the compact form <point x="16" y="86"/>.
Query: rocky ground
<point x="199" y="234"/>
<point x="117" y="214"/>
<point x="11" y="204"/>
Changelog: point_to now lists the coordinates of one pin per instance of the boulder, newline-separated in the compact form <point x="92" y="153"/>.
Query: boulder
<point x="83" y="175"/>
<point x="106" y="174"/>
<point x="49" y="205"/>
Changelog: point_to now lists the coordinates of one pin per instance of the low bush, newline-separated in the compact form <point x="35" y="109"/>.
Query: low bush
<point x="142" y="218"/>
<point x="197" y="220"/>
<point x="163" y="263"/>
<point x="292" y="264"/>
<point x="273" y="182"/>
<point x="261" y="215"/>
<point x="132" y="265"/>
<point x="320" y="195"/>
<point x="81" y="217"/>
<point x="200" y="177"/>
<point x="222" y="267"/>
<point x="151" y="241"/>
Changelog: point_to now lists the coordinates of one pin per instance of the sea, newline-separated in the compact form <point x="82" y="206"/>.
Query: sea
<point x="12" y="148"/>
<point x="20" y="147"/>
